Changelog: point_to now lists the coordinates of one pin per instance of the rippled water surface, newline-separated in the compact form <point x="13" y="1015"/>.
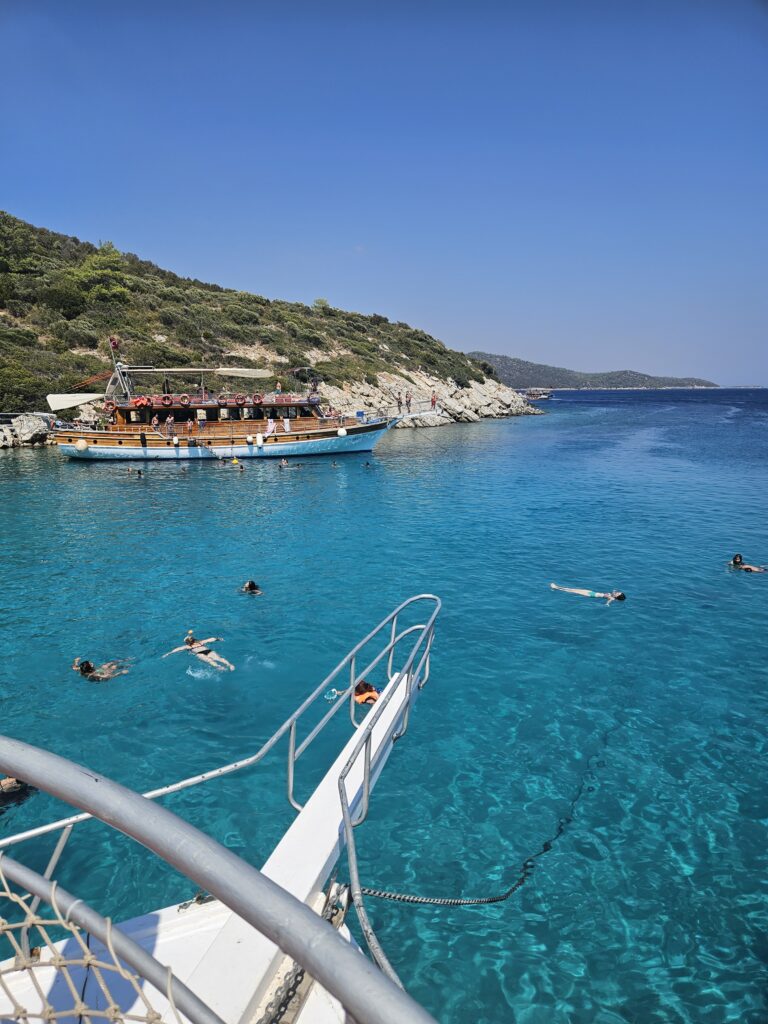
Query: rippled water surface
<point x="622" y="748"/>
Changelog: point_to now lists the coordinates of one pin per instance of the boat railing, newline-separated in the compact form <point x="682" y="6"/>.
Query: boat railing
<point x="115" y="978"/>
<point x="401" y="650"/>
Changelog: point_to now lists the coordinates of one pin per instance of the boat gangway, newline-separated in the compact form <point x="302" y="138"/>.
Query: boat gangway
<point x="254" y="944"/>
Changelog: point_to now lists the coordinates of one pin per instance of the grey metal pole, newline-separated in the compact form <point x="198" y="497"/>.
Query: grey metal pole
<point x="364" y="991"/>
<point x="73" y="909"/>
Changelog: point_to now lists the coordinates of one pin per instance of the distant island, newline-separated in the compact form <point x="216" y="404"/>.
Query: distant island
<point x="518" y="373"/>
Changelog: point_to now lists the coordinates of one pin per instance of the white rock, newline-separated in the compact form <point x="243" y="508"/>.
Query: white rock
<point x="7" y="438"/>
<point x="30" y="429"/>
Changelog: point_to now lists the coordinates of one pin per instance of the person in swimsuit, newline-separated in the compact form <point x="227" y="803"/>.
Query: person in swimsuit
<point x="99" y="673"/>
<point x="737" y="562"/>
<point x="251" y="587"/>
<point x="365" y="693"/>
<point x="615" y="595"/>
<point x="201" y="650"/>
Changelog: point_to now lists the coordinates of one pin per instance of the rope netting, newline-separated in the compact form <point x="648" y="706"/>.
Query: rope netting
<point x="51" y="970"/>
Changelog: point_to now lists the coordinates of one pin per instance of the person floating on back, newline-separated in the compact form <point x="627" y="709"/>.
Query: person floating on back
<point x="251" y="587"/>
<point x="615" y="595"/>
<point x="201" y="650"/>
<point x="99" y="673"/>
<point x="737" y="562"/>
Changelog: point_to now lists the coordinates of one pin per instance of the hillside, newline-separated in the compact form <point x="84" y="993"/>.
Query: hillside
<point x="517" y="373"/>
<point x="61" y="299"/>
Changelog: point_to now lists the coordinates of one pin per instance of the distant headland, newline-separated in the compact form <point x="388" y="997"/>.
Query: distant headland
<point x="518" y="373"/>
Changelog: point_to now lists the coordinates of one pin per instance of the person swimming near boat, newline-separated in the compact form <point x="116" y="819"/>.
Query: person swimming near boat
<point x="365" y="693"/>
<point x="614" y="595"/>
<point x="737" y="562"/>
<point x="13" y="791"/>
<point x="99" y="673"/>
<point x="251" y="587"/>
<point x="201" y="650"/>
<point x="283" y="464"/>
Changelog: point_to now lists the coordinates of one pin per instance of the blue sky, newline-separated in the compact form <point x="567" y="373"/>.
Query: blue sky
<point x="576" y="182"/>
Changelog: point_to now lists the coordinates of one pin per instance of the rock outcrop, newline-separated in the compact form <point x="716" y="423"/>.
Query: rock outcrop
<point x="7" y="438"/>
<point x="30" y="429"/>
<point x="480" y="400"/>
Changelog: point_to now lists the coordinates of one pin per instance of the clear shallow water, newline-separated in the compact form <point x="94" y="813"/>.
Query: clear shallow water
<point x="633" y="736"/>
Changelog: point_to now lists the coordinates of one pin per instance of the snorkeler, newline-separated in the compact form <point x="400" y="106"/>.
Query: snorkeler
<point x="200" y="649"/>
<point x="251" y="587"/>
<point x="99" y="673"/>
<point x="365" y="693"/>
<point x="737" y="562"/>
<point x="615" y="595"/>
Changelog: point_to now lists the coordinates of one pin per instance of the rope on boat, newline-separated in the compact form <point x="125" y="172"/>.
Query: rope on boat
<point x="528" y="865"/>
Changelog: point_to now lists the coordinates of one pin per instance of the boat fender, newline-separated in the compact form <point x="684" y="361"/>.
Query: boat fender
<point x="249" y="439"/>
<point x="167" y="400"/>
<point x="175" y="442"/>
<point x="184" y="399"/>
<point x="258" y="399"/>
<point x="259" y="440"/>
<point x="222" y="400"/>
<point x="341" y="432"/>
<point x="81" y="445"/>
<point x="239" y="399"/>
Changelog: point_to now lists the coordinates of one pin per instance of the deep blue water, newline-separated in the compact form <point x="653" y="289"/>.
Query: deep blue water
<point x="623" y="745"/>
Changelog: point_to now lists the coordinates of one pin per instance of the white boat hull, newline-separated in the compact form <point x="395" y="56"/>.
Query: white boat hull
<point x="351" y="442"/>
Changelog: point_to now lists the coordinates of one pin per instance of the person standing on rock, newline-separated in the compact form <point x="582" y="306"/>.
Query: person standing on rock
<point x="434" y="400"/>
<point x="408" y="397"/>
<point x="399" y="404"/>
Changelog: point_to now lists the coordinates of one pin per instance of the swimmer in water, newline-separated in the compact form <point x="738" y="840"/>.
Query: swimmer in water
<point x="737" y="562"/>
<point x="615" y="595"/>
<point x="13" y="791"/>
<point x="251" y="587"/>
<point x="365" y="693"/>
<point x="201" y="650"/>
<point x="283" y="464"/>
<point x="334" y="464"/>
<point x="99" y="673"/>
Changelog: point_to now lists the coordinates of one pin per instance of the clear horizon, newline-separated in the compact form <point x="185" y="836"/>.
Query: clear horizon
<point x="583" y="188"/>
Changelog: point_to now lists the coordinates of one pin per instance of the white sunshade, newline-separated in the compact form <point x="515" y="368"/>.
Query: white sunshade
<point x="59" y="402"/>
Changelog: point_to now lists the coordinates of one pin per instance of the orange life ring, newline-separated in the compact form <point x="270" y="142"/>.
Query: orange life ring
<point x="167" y="400"/>
<point x="184" y="399"/>
<point x="240" y="399"/>
<point x="222" y="400"/>
<point x="258" y="399"/>
<point x="109" y="406"/>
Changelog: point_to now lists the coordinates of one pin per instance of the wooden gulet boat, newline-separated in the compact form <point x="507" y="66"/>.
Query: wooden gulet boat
<point x="201" y="424"/>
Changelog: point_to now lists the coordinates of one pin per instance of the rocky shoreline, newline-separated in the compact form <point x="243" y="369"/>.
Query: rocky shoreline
<point x="486" y="400"/>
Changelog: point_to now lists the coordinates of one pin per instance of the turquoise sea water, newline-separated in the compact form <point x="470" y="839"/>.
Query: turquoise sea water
<point x="622" y="748"/>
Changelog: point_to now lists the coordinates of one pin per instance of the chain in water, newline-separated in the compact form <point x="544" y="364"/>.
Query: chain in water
<point x="528" y="865"/>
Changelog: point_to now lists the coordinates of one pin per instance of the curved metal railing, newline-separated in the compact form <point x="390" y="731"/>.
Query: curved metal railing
<point x="191" y="851"/>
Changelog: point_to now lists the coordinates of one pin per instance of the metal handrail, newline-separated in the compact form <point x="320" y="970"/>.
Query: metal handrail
<point x="415" y="680"/>
<point x="267" y="746"/>
<point x="364" y="991"/>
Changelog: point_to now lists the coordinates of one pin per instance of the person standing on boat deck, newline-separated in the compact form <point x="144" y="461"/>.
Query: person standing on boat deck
<point x="170" y="425"/>
<point x="155" y="423"/>
<point x="190" y="424"/>
<point x="615" y="595"/>
<point x="201" y="650"/>
<point x="408" y="397"/>
<point x="278" y="388"/>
